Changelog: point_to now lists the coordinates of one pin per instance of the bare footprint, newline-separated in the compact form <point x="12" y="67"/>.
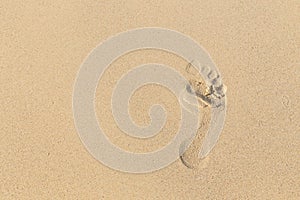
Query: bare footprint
<point x="190" y="158"/>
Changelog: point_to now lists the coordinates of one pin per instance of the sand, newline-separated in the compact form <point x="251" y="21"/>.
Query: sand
<point x="256" y="46"/>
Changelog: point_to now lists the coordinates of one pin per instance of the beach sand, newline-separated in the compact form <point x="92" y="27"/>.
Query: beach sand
<point x="256" y="46"/>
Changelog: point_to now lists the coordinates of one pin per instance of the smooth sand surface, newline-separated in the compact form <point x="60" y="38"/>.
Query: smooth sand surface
<point x="256" y="46"/>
